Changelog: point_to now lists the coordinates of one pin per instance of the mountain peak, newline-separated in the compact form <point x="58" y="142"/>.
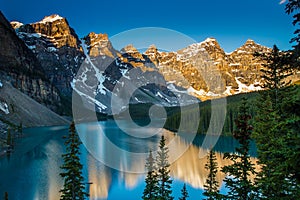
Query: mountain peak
<point x="250" y="42"/>
<point x="152" y="49"/>
<point x="152" y="46"/>
<point x="98" y="37"/>
<point x="16" y="24"/>
<point x="129" y="49"/>
<point x="51" y="18"/>
<point x="210" y="39"/>
<point x="250" y="46"/>
<point x="99" y="44"/>
<point x="210" y="42"/>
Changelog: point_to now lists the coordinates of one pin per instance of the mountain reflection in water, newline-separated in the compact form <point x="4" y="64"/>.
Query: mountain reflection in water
<point x="32" y="171"/>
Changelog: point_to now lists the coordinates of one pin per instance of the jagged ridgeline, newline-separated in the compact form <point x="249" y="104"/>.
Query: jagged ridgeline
<point x="60" y="54"/>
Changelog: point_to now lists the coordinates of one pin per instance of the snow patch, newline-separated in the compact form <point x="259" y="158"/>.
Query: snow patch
<point x="4" y="108"/>
<point x="158" y="94"/>
<point x="172" y="87"/>
<point x="123" y="72"/>
<point x="32" y="47"/>
<point x="244" y="88"/>
<point x="16" y="24"/>
<point x="201" y="92"/>
<point x="51" y="18"/>
<point x="228" y="91"/>
<point x="98" y="74"/>
<point x="51" y="49"/>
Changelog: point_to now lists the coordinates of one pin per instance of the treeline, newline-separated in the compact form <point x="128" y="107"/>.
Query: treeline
<point x="187" y="117"/>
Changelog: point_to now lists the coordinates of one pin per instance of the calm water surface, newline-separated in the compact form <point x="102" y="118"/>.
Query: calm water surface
<point x="32" y="171"/>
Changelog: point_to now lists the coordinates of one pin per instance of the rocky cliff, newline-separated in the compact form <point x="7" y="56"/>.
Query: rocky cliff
<point x="56" y="46"/>
<point x="95" y="70"/>
<point x="21" y="68"/>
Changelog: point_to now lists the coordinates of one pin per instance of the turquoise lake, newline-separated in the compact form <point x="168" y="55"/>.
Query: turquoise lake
<point x="31" y="172"/>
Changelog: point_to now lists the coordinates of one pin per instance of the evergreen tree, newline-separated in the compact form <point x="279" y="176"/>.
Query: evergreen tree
<point x="277" y="137"/>
<point x="74" y="188"/>
<point x="5" y="196"/>
<point x="163" y="175"/>
<point x="293" y="7"/>
<point x="8" y="139"/>
<point x="266" y="135"/>
<point x="184" y="193"/>
<point x="275" y="72"/>
<point x="238" y="174"/>
<point x="151" y="188"/>
<point x="211" y="186"/>
<point x="277" y="131"/>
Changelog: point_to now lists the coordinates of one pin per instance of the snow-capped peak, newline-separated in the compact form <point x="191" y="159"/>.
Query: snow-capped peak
<point x="209" y="40"/>
<point x="16" y="24"/>
<point x="51" y="18"/>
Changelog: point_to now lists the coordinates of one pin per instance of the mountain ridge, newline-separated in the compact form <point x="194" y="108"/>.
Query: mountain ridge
<point x="192" y="71"/>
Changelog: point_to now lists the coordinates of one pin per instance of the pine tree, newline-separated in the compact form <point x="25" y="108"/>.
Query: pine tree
<point x="151" y="188"/>
<point x="293" y="7"/>
<point x="8" y="139"/>
<point x="211" y="185"/>
<point x="163" y="175"/>
<point x="5" y="196"/>
<point x="184" y="193"/>
<point x="74" y="188"/>
<point x="238" y="174"/>
<point x="275" y="72"/>
<point x="276" y="131"/>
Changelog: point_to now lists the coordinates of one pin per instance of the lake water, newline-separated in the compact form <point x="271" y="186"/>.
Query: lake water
<point x="32" y="170"/>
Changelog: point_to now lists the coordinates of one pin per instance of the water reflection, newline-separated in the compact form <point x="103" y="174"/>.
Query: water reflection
<point x="32" y="172"/>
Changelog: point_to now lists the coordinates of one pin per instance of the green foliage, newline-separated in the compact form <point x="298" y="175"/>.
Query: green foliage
<point x="163" y="175"/>
<point x="211" y="185"/>
<point x="277" y="132"/>
<point x="238" y="174"/>
<point x="184" y="193"/>
<point x="74" y="188"/>
<point x="151" y="188"/>
<point x="293" y="7"/>
<point x="277" y="137"/>
<point x="203" y="119"/>
<point x="275" y="71"/>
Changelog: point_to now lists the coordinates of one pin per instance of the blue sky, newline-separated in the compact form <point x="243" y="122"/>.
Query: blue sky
<point x="231" y="22"/>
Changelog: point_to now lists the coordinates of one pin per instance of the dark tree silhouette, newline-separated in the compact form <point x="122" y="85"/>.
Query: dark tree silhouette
<point x="184" y="193"/>
<point x="211" y="186"/>
<point x="238" y="174"/>
<point x="163" y="175"/>
<point x="151" y="188"/>
<point x="5" y="196"/>
<point x="73" y="188"/>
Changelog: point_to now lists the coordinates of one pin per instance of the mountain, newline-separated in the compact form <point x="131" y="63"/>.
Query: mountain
<point x="57" y="48"/>
<point x="16" y="107"/>
<point x="20" y="67"/>
<point x="26" y="94"/>
<point x="110" y="77"/>
<point x="104" y="76"/>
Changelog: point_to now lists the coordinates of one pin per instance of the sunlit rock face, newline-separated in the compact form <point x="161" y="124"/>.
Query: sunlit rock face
<point x="202" y="70"/>
<point x="99" y="45"/>
<point x="56" y="46"/>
